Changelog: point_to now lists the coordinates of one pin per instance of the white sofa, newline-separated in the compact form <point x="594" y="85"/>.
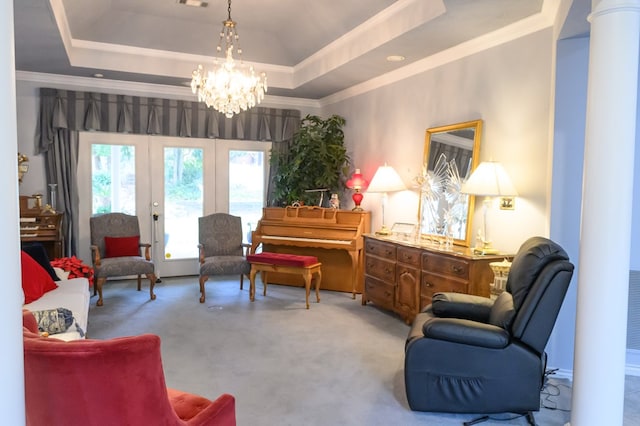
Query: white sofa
<point x="72" y="294"/>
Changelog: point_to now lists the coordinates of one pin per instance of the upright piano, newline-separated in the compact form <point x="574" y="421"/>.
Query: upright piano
<point x="334" y="236"/>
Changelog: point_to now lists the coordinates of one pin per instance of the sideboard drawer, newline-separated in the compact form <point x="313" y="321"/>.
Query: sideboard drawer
<point x="432" y="283"/>
<point x="378" y="292"/>
<point x="380" y="268"/>
<point x="447" y="265"/>
<point x="378" y="248"/>
<point x="409" y="256"/>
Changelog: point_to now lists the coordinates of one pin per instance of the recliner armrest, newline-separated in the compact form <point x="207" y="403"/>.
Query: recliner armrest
<point x="463" y="306"/>
<point x="467" y="332"/>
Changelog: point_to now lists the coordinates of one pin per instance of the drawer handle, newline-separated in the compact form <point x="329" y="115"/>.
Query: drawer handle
<point x="388" y="252"/>
<point x="387" y="270"/>
<point x="457" y="269"/>
<point x="407" y="257"/>
<point x="428" y="284"/>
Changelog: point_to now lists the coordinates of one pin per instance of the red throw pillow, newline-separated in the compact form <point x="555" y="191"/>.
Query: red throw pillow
<point x="36" y="281"/>
<point x="122" y="246"/>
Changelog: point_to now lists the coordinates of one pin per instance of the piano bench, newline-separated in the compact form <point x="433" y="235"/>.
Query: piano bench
<point x="265" y="262"/>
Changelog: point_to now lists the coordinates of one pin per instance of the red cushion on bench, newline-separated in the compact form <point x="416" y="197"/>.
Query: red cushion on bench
<point x="283" y="259"/>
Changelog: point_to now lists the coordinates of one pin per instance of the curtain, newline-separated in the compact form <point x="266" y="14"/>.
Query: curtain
<point x="59" y="144"/>
<point x="64" y="113"/>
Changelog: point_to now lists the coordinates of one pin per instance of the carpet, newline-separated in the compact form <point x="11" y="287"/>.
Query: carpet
<point x="338" y="363"/>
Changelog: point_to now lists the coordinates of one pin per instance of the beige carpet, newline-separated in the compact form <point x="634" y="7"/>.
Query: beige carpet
<point x="338" y="363"/>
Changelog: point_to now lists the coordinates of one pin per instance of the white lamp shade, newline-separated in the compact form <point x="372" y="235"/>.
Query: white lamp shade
<point x="386" y="179"/>
<point x="490" y="179"/>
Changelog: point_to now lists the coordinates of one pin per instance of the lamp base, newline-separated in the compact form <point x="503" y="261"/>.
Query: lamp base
<point x="384" y="231"/>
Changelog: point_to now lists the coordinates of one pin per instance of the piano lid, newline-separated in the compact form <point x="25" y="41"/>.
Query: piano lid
<point x="311" y="225"/>
<point x="313" y="215"/>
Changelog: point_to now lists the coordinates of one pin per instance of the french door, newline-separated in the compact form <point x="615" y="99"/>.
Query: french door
<point x="169" y="182"/>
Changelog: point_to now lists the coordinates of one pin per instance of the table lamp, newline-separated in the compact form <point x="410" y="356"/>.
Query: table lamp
<point x="358" y="183"/>
<point x="385" y="180"/>
<point x="489" y="179"/>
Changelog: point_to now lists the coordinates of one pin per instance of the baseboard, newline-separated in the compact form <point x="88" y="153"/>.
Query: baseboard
<point x="632" y="366"/>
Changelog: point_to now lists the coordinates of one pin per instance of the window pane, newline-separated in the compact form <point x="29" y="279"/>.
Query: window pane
<point x="113" y="179"/>
<point x="246" y="187"/>
<point x="183" y="202"/>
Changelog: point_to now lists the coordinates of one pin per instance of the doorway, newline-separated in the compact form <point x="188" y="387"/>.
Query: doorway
<point x="169" y="182"/>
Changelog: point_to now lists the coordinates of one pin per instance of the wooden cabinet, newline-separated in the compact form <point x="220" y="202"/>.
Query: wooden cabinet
<point x="402" y="277"/>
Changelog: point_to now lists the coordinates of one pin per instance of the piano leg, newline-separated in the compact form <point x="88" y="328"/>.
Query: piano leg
<point x="354" y="272"/>
<point x="252" y="284"/>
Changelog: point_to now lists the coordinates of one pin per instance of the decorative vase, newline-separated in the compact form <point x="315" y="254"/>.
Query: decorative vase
<point x="334" y="202"/>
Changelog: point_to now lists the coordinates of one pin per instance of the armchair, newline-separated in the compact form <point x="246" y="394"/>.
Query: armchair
<point x="469" y="354"/>
<point x="116" y="251"/>
<point x="221" y="250"/>
<point x="108" y="382"/>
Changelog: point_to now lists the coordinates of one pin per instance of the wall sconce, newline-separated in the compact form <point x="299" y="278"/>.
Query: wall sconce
<point x="23" y="166"/>
<point x="490" y="179"/>
<point x="385" y="180"/>
<point x="358" y="183"/>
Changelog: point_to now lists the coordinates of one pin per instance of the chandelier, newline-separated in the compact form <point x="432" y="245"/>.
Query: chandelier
<point x="229" y="87"/>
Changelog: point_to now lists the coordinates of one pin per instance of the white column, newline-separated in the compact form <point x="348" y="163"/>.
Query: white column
<point x="603" y="278"/>
<point x="11" y="358"/>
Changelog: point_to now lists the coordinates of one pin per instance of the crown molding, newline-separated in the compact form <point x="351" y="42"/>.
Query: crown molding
<point x="100" y="55"/>
<point x="119" y="87"/>
<point x="503" y="35"/>
<point x="397" y="19"/>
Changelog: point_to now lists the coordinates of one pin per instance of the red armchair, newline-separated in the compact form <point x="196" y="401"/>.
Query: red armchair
<point x="108" y="382"/>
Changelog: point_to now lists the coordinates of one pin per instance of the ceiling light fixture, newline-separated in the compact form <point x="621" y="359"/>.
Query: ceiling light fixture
<point x="395" y="58"/>
<point x="229" y="87"/>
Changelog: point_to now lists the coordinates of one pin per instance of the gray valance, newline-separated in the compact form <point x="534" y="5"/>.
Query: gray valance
<point x="82" y="111"/>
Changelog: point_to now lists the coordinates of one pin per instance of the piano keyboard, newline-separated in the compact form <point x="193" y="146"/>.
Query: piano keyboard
<point x="266" y="238"/>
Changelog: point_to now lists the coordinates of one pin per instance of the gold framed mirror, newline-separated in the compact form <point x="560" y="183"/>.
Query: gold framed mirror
<point x="451" y="153"/>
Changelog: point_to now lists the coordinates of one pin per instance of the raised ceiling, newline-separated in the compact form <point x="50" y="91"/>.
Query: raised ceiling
<point x="308" y="48"/>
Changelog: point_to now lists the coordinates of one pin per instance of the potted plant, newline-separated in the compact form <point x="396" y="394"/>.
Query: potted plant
<point x="317" y="159"/>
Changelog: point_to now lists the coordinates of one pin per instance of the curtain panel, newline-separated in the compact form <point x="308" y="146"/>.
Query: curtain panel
<point x="64" y="113"/>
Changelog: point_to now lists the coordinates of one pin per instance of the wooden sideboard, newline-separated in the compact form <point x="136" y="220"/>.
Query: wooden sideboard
<point x="402" y="276"/>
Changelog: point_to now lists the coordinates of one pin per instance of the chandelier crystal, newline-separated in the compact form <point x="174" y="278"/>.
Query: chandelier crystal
<point x="230" y="86"/>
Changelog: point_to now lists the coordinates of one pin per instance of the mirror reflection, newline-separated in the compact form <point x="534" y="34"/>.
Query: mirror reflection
<point x="451" y="153"/>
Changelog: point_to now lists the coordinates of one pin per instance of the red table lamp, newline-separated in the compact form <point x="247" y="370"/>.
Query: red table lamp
<point x="358" y="183"/>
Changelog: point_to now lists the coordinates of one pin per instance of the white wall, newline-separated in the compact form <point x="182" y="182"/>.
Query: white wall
<point x="570" y="117"/>
<point x="509" y="87"/>
<point x="11" y="297"/>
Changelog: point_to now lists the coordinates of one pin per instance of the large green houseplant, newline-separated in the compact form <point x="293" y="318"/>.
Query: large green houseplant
<point x="317" y="159"/>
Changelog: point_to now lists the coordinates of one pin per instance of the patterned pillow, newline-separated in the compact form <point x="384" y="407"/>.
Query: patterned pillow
<point x="53" y="321"/>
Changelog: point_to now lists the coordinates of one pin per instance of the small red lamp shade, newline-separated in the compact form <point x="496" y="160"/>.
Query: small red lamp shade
<point x="358" y="183"/>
